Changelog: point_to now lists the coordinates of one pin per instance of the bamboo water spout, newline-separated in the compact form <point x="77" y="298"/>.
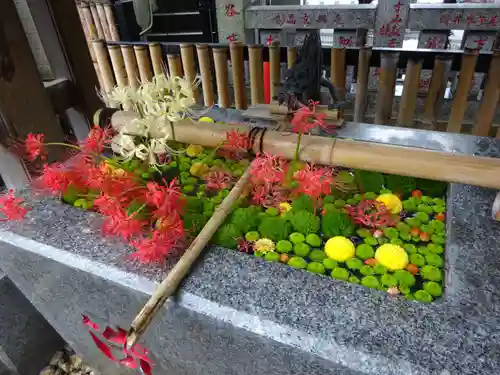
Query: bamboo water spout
<point x="406" y="161"/>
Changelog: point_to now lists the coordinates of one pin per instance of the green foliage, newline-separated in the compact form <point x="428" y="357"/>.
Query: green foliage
<point x="339" y="203"/>
<point x="400" y="184"/>
<point x="379" y="269"/>
<point x="274" y="228"/>
<point x="252" y="236"/>
<point x="370" y="282"/>
<point x="272" y="256"/>
<point x="354" y="279"/>
<point x="432" y="188"/>
<point x="417" y="259"/>
<point x="437" y="239"/>
<point x="405" y="278"/>
<point x="301" y="249"/>
<point x="435" y="249"/>
<point x="372" y="241"/>
<point x="227" y="236"/>
<point x="425" y="208"/>
<point x="340" y="273"/>
<point x="313" y="239"/>
<point x="284" y="246"/>
<point x="397" y="241"/>
<point x="296" y="237"/>
<point x="70" y="194"/>
<point x="337" y="223"/>
<point x="330" y="264"/>
<point x="317" y="255"/>
<point x="354" y="264"/>
<point x="388" y="280"/>
<point x="413" y="222"/>
<point x="328" y="199"/>
<point x="134" y="207"/>
<point x="369" y="181"/>
<point x="370" y="195"/>
<point x="391" y="233"/>
<point x="403" y="227"/>
<point x="316" y="267"/>
<point x="431" y="273"/>
<point x="434" y="260"/>
<point x="364" y="251"/>
<point x="297" y="262"/>
<point x="423" y="296"/>
<point x="194" y="204"/>
<point x="366" y="270"/>
<point x="194" y="222"/>
<point x="272" y="211"/>
<point x="363" y="232"/>
<point x="303" y="202"/>
<point x="305" y="222"/>
<point x="433" y="288"/>
<point x="422" y="216"/>
<point x="246" y="219"/>
<point x="410" y="248"/>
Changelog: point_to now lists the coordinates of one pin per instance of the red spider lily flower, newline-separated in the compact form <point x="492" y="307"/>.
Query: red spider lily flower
<point x="217" y="180"/>
<point x="167" y="199"/>
<point x="237" y="140"/>
<point x="244" y="246"/>
<point x="372" y="213"/>
<point x="120" y="224"/>
<point x="268" y="195"/>
<point x="306" y="119"/>
<point x="11" y="207"/>
<point x="135" y="357"/>
<point x="154" y="249"/>
<point x="268" y="169"/>
<point x="54" y="178"/>
<point x="34" y="146"/>
<point x="97" y="139"/>
<point x="314" y="181"/>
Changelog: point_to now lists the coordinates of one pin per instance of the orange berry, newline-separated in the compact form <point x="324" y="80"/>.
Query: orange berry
<point x="411" y="268"/>
<point x="440" y="217"/>
<point x="371" y="261"/>
<point x="425" y="237"/>
<point x="284" y="258"/>
<point x="414" y="231"/>
<point x="416" y="193"/>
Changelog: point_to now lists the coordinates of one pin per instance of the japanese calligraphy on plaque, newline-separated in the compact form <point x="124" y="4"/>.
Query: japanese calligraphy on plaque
<point x="391" y="22"/>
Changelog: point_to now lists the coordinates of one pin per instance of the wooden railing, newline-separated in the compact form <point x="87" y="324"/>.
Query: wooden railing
<point x="129" y="63"/>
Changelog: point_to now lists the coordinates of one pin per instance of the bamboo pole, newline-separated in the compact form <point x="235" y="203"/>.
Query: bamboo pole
<point x="386" y="86"/>
<point x="170" y="284"/>
<point x="408" y="101"/>
<point x="206" y="74"/>
<point x="96" y="20"/>
<point x="238" y="70"/>
<point x="187" y="56"/>
<point x="220" y="62"/>
<point x="104" y="67"/>
<point x="274" y="67"/>
<point x="256" y="74"/>
<point x="89" y="31"/>
<point x="362" y="83"/>
<point x="110" y="17"/>
<point x="143" y="63"/>
<point x="407" y="161"/>
<point x="459" y="105"/>
<point x="175" y="65"/>
<point x="437" y="87"/>
<point x="89" y="22"/>
<point x="118" y="64"/>
<point x="104" y="21"/>
<point x="338" y="75"/>
<point x="130" y="65"/>
<point x="156" y="58"/>
<point x="291" y="56"/>
<point x="489" y="102"/>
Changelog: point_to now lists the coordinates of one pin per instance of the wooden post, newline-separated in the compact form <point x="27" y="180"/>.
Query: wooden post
<point x="459" y="105"/>
<point x="110" y="17"/>
<point x="291" y="54"/>
<point x="275" y="67"/>
<point x="206" y="74"/>
<point x="408" y="102"/>
<point x="75" y="47"/>
<point x="491" y="96"/>
<point x="24" y="103"/>
<point x="101" y="55"/>
<point x="362" y="83"/>
<point x="220" y="62"/>
<point x="156" y="58"/>
<point x="130" y="65"/>
<point x="437" y="87"/>
<point x="143" y="63"/>
<point x="187" y="56"/>
<point x="175" y="65"/>
<point x="238" y="69"/>
<point x="97" y="21"/>
<point x="118" y="64"/>
<point x="386" y="86"/>
<point x="104" y="21"/>
<point x="338" y="77"/>
<point x="256" y="74"/>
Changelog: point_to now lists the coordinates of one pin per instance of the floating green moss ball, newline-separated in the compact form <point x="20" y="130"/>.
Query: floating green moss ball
<point x="297" y="262"/>
<point x="317" y="255"/>
<point x="422" y="216"/>
<point x="438" y="209"/>
<point x="301" y="249"/>
<point x="284" y="246"/>
<point x="403" y="227"/>
<point x="330" y="264"/>
<point x="340" y="273"/>
<point x="417" y="259"/>
<point x="363" y="232"/>
<point x="370" y="195"/>
<point x="316" y="267"/>
<point x="435" y="249"/>
<point x="405" y="278"/>
<point x="413" y="222"/>
<point x="364" y="251"/>
<point x="397" y="241"/>
<point x="433" y="288"/>
<point x="296" y="238"/>
<point x="252" y="236"/>
<point x="366" y="270"/>
<point x="423" y="250"/>
<point x="313" y="239"/>
<point x="372" y="241"/>
<point x="423" y="296"/>
<point x="391" y="233"/>
<point x="354" y="279"/>
<point x="410" y="249"/>
<point x="405" y="236"/>
<point x="351" y="202"/>
<point x="404" y="290"/>
<point x="258" y="254"/>
<point x="382" y="240"/>
<point x="437" y="239"/>
<point x="329" y="207"/>
<point x="388" y="280"/>
<point x="434" y="260"/>
<point x="354" y="263"/>
<point x="431" y="273"/>
<point x="272" y="256"/>
<point x="370" y="282"/>
<point x="339" y="203"/>
<point x="379" y="269"/>
<point x="272" y="211"/>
